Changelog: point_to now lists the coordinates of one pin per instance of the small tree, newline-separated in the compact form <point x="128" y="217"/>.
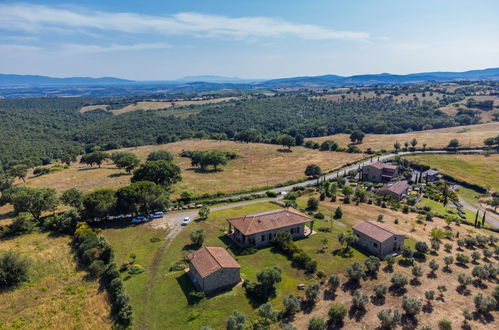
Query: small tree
<point x="448" y="260"/>
<point x="73" y="197"/>
<point x="484" y="304"/>
<point x="444" y="325"/>
<point x="372" y="265"/>
<point x="333" y="283"/>
<point x="464" y="280"/>
<point x="448" y="247"/>
<point x="411" y="306"/>
<point x="198" y="237"/>
<point x="267" y="312"/>
<point x="441" y="289"/>
<point x="337" y="313"/>
<point x="406" y="252"/>
<point x="359" y="299"/>
<point x="433" y="266"/>
<point x="34" y="200"/>
<point x="355" y="271"/>
<point x="291" y="305"/>
<point x="417" y="272"/>
<point x="480" y="272"/>
<point x="316" y="323"/>
<point x="347" y="239"/>
<point x="462" y="258"/>
<point x="237" y="321"/>
<point x="313" y="170"/>
<point x="347" y="191"/>
<point x="338" y="213"/>
<point x="399" y="280"/>
<point x="390" y="261"/>
<point x="204" y="212"/>
<point x="389" y="318"/>
<point x="380" y="290"/>
<point x="475" y="255"/>
<point x="453" y="144"/>
<point x="429" y="295"/>
<point x="14" y="269"/>
<point x="286" y="140"/>
<point x="312" y="204"/>
<point x="421" y="248"/>
<point x="435" y="245"/>
<point x="312" y="292"/>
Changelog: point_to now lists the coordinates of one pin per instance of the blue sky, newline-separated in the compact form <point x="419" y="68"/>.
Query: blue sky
<point x="160" y="40"/>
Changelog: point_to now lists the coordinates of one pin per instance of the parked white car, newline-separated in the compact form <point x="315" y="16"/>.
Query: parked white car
<point x="186" y="221"/>
<point x="156" y="215"/>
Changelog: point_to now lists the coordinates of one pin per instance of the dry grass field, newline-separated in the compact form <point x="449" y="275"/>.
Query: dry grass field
<point x="478" y="169"/>
<point x="469" y="136"/>
<point x="258" y="165"/>
<point x="450" y="307"/>
<point x="57" y="296"/>
<point x="155" y="105"/>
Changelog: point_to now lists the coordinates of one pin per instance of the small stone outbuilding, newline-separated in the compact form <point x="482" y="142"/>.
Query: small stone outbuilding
<point x="378" y="238"/>
<point x="260" y="229"/>
<point x="397" y="190"/>
<point x="213" y="268"/>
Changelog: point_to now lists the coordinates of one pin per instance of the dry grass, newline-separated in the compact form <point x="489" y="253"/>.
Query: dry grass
<point x="450" y="308"/>
<point x="155" y="105"/>
<point x="57" y="296"/>
<point x="479" y="169"/>
<point x="469" y="136"/>
<point x="258" y="165"/>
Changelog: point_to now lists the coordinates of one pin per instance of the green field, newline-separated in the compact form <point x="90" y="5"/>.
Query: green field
<point x="481" y="170"/>
<point x="157" y="286"/>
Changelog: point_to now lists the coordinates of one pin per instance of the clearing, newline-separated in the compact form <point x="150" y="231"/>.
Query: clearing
<point x="58" y="294"/>
<point x="478" y="169"/>
<point x="469" y="136"/>
<point x="258" y="166"/>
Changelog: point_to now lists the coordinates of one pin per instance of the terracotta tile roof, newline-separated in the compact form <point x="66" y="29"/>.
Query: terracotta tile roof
<point x="398" y="187"/>
<point x="265" y="221"/>
<point x="381" y="165"/>
<point x="208" y="260"/>
<point x="375" y="230"/>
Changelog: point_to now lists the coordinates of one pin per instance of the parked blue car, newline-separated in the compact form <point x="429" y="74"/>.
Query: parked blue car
<point x="139" y="219"/>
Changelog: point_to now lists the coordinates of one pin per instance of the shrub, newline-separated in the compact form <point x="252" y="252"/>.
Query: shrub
<point x="390" y="260"/>
<point x="198" y="237"/>
<point x="271" y="194"/>
<point x="487" y="253"/>
<point x="435" y="245"/>
<point x="433" y="265"/>
<point x="372" y="265"/>
<point x="398" y="280"/>
<point x="319" y="216"/>
<point x="406" y="252"/>
<point x="355" y="271"/>
<point x="464" y="280"/>
<point x="444" y="325"/>
<point x="462" y="258"/>
<point x="316" y="323"/>
<point x="312" y="292"/>
<point x="338" y="213"/>
<point x="291" y="305"/>
<point x="22" y="224"/>
<point x="475" y="255"/>
<point x="429" y="295"/>
<point x="97" y="268"/>
<point x="411" y="306"/>
<point x="359" y="299"/>
<point x="484" y="304"/>
<point x="470" y="242"/>
<point x="236" y="321"/>
<point x="380" y="290"/>
<point x="417" y="271"/>
<point x="135" y="269"/>
<point x="337" y="313"/>
<point x="447" y="247"/>
<point x="448" y="260"/>
<point x="312" y="204"/>
<point x="389" y="318"/>
<point x="480" y="272"/>
<point x="333" y="283"/>
<point x="421" y="248"/>
<point x="14" y="269"/>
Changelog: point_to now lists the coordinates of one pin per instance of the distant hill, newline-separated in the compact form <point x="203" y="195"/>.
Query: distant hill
<point x="216" y="79"/>
<point x="14" y="79"/>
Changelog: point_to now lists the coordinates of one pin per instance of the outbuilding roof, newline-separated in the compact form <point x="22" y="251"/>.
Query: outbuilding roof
<point x="208" y="260"/>
<point x="375" y="230"/>
<point x="381" y="165"/>
<point x="398" y="187"/>
<point x="265" y="221"/>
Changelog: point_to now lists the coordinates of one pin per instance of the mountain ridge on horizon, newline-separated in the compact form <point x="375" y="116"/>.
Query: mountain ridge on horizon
<point x="328" y="80"/>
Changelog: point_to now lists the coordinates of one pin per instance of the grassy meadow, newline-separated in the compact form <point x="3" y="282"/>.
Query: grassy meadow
<point x="58" y="294"/>
<point x="469" y="136"/>
<point x="258" y="166"/>
<point x="477" y="169"/>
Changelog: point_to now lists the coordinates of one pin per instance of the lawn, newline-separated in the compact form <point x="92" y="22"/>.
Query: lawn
<point x="258" y="166"/>
<point x="170" y="289"/>
<point x="58" y="295"/>
<point x="439" y="208"/>
<point x="469" y="136"/>
<point x="477" y="169"/>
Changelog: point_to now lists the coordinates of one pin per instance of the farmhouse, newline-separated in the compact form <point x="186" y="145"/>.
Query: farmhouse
<point x="377" y="238"/>
<point x="379" y="172"/>
<point x="431" y="175"/>
<point x="213" y="268"/>
<point x="397" y="190"/>
<point x="260" y="229"/>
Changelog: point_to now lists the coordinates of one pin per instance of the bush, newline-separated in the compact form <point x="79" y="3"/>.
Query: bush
<point x="422" y="248"/>
<point x="444" y="325"/>
<point x="372" y="265"/>
<point x="135" y="269"/>
<point x="198" y="237"/>
<point x="271" y="194"/>
<point x="316" y="323"/>
<point x="291" y="305"/>
<point x="355" y="271"/>
<point x="22" y="224"/>
<point x="484" y="304"/>
<point x="359" y="299"/>
<point x="380" y="290"/>
<point x="399" y="280"/>
<point x="389" y="318"/>
<point x="97" y="268"/>
<point x="312" y="292"/>
<point x="236" y="321"/>
<point x="337" y="313"/>
<point x="411" y="306"/>
<point x="312" y="204"/>
<point x="14" y="269"/>
<point x="333" y="283"/>
<point x="462" y="258"/>
<point x="319" y="216"/>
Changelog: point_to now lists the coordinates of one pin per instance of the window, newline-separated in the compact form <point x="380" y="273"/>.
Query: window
<point x="375" y="244"/>
<point x="270" y="236"/>
<point x="263" y="238"/>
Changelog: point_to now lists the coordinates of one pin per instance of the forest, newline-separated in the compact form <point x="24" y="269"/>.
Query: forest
<point x="46" y="128"/>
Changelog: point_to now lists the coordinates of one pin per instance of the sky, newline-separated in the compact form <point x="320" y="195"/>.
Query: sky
<point x="167" y="39"/>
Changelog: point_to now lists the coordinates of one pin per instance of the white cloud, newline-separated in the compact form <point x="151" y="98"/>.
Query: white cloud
<point x="33" y="18"/>
<point x="12" y="48"/>
<point x="82" y="48"/>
